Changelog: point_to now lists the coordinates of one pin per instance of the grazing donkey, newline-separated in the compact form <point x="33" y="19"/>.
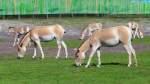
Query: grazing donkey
<point x="90" y="29"/>
<point x="17" y="33"/>
<point x="134" y="26"/>
<point x="42" y="33"/>
<point x="108" y="37"/>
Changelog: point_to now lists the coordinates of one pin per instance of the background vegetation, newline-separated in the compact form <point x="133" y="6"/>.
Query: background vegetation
<point x="26" y="7"/>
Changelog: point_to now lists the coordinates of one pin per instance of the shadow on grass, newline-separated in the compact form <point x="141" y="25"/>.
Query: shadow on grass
<point x="111" y="63"/>
<point x="114" y="63"/>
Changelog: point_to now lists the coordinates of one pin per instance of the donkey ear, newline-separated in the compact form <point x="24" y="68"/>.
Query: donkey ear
<point x="76" y="50"/>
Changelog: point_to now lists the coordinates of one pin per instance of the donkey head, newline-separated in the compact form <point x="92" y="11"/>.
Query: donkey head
<point x="79" y="57"/>
<point x="136" y="32"/>
<point x="21" y="51"/>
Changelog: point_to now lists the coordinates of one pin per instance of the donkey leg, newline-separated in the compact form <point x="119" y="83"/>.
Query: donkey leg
<point x="99" y="59"/>
<point x="18" y="39"/>
<point x="90" y="58"/>
<point x="34" y="54"/>
<point x="65" y="46"/>
<point x="94" y="48"/>
<point x="134" y="55"/>
<point x="40" y="47"/>
<point x="15" y="40"/>
<point x="35" y="48"/>
<point x="59" y="48"/>
<point x="129" y="55"/>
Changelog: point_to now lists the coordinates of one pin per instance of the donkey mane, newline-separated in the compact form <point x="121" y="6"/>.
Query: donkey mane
<point x="23" y="39"/>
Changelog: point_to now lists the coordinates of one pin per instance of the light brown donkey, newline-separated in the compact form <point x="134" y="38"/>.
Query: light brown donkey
<point x="42" y="33"/>
<point x="17" y="32"/>
<point x="108" y="37"/>
<point x="90" y="29"/>
<point x="135" y="27"/>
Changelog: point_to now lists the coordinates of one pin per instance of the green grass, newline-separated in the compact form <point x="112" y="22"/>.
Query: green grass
<point x="51" y="71"/>
<point x="73" y="43"/>
<point x="145" y="40"/>
<point x="70" y="43"/>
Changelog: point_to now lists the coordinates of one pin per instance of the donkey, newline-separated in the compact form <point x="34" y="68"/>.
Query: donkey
<point x="42" y="33"/>
<point x="90" y="29"/>
<point x="108" y="37"/>
<point x="135" y="26"/>
<point x="17" y="33"/>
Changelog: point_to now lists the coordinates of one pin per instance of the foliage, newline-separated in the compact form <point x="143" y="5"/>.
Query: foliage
<point x="25" y="7"/>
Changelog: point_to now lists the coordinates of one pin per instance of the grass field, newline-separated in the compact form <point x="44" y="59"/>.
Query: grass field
<point x="114" y="70"/>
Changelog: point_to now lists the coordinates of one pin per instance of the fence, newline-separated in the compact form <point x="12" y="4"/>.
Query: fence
<point x="27" y="7"/>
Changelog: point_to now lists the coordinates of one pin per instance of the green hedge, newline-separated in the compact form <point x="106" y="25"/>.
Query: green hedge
<point x="24" y="7"/>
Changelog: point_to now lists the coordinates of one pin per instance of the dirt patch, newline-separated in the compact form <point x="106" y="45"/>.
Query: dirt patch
<point x="73" y="27"/>
<point x="6" y="48"/>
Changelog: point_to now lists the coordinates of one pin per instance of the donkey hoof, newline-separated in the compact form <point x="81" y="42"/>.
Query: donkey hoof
<point x="86" y="66"/>
<point x="98" y="66"/>
<point x="33" y="57"/>
<point x="66" y="57"/>
<point x="18" y="58"/>
<point x="136" y="65"/>
<point x="129" y="65"/>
